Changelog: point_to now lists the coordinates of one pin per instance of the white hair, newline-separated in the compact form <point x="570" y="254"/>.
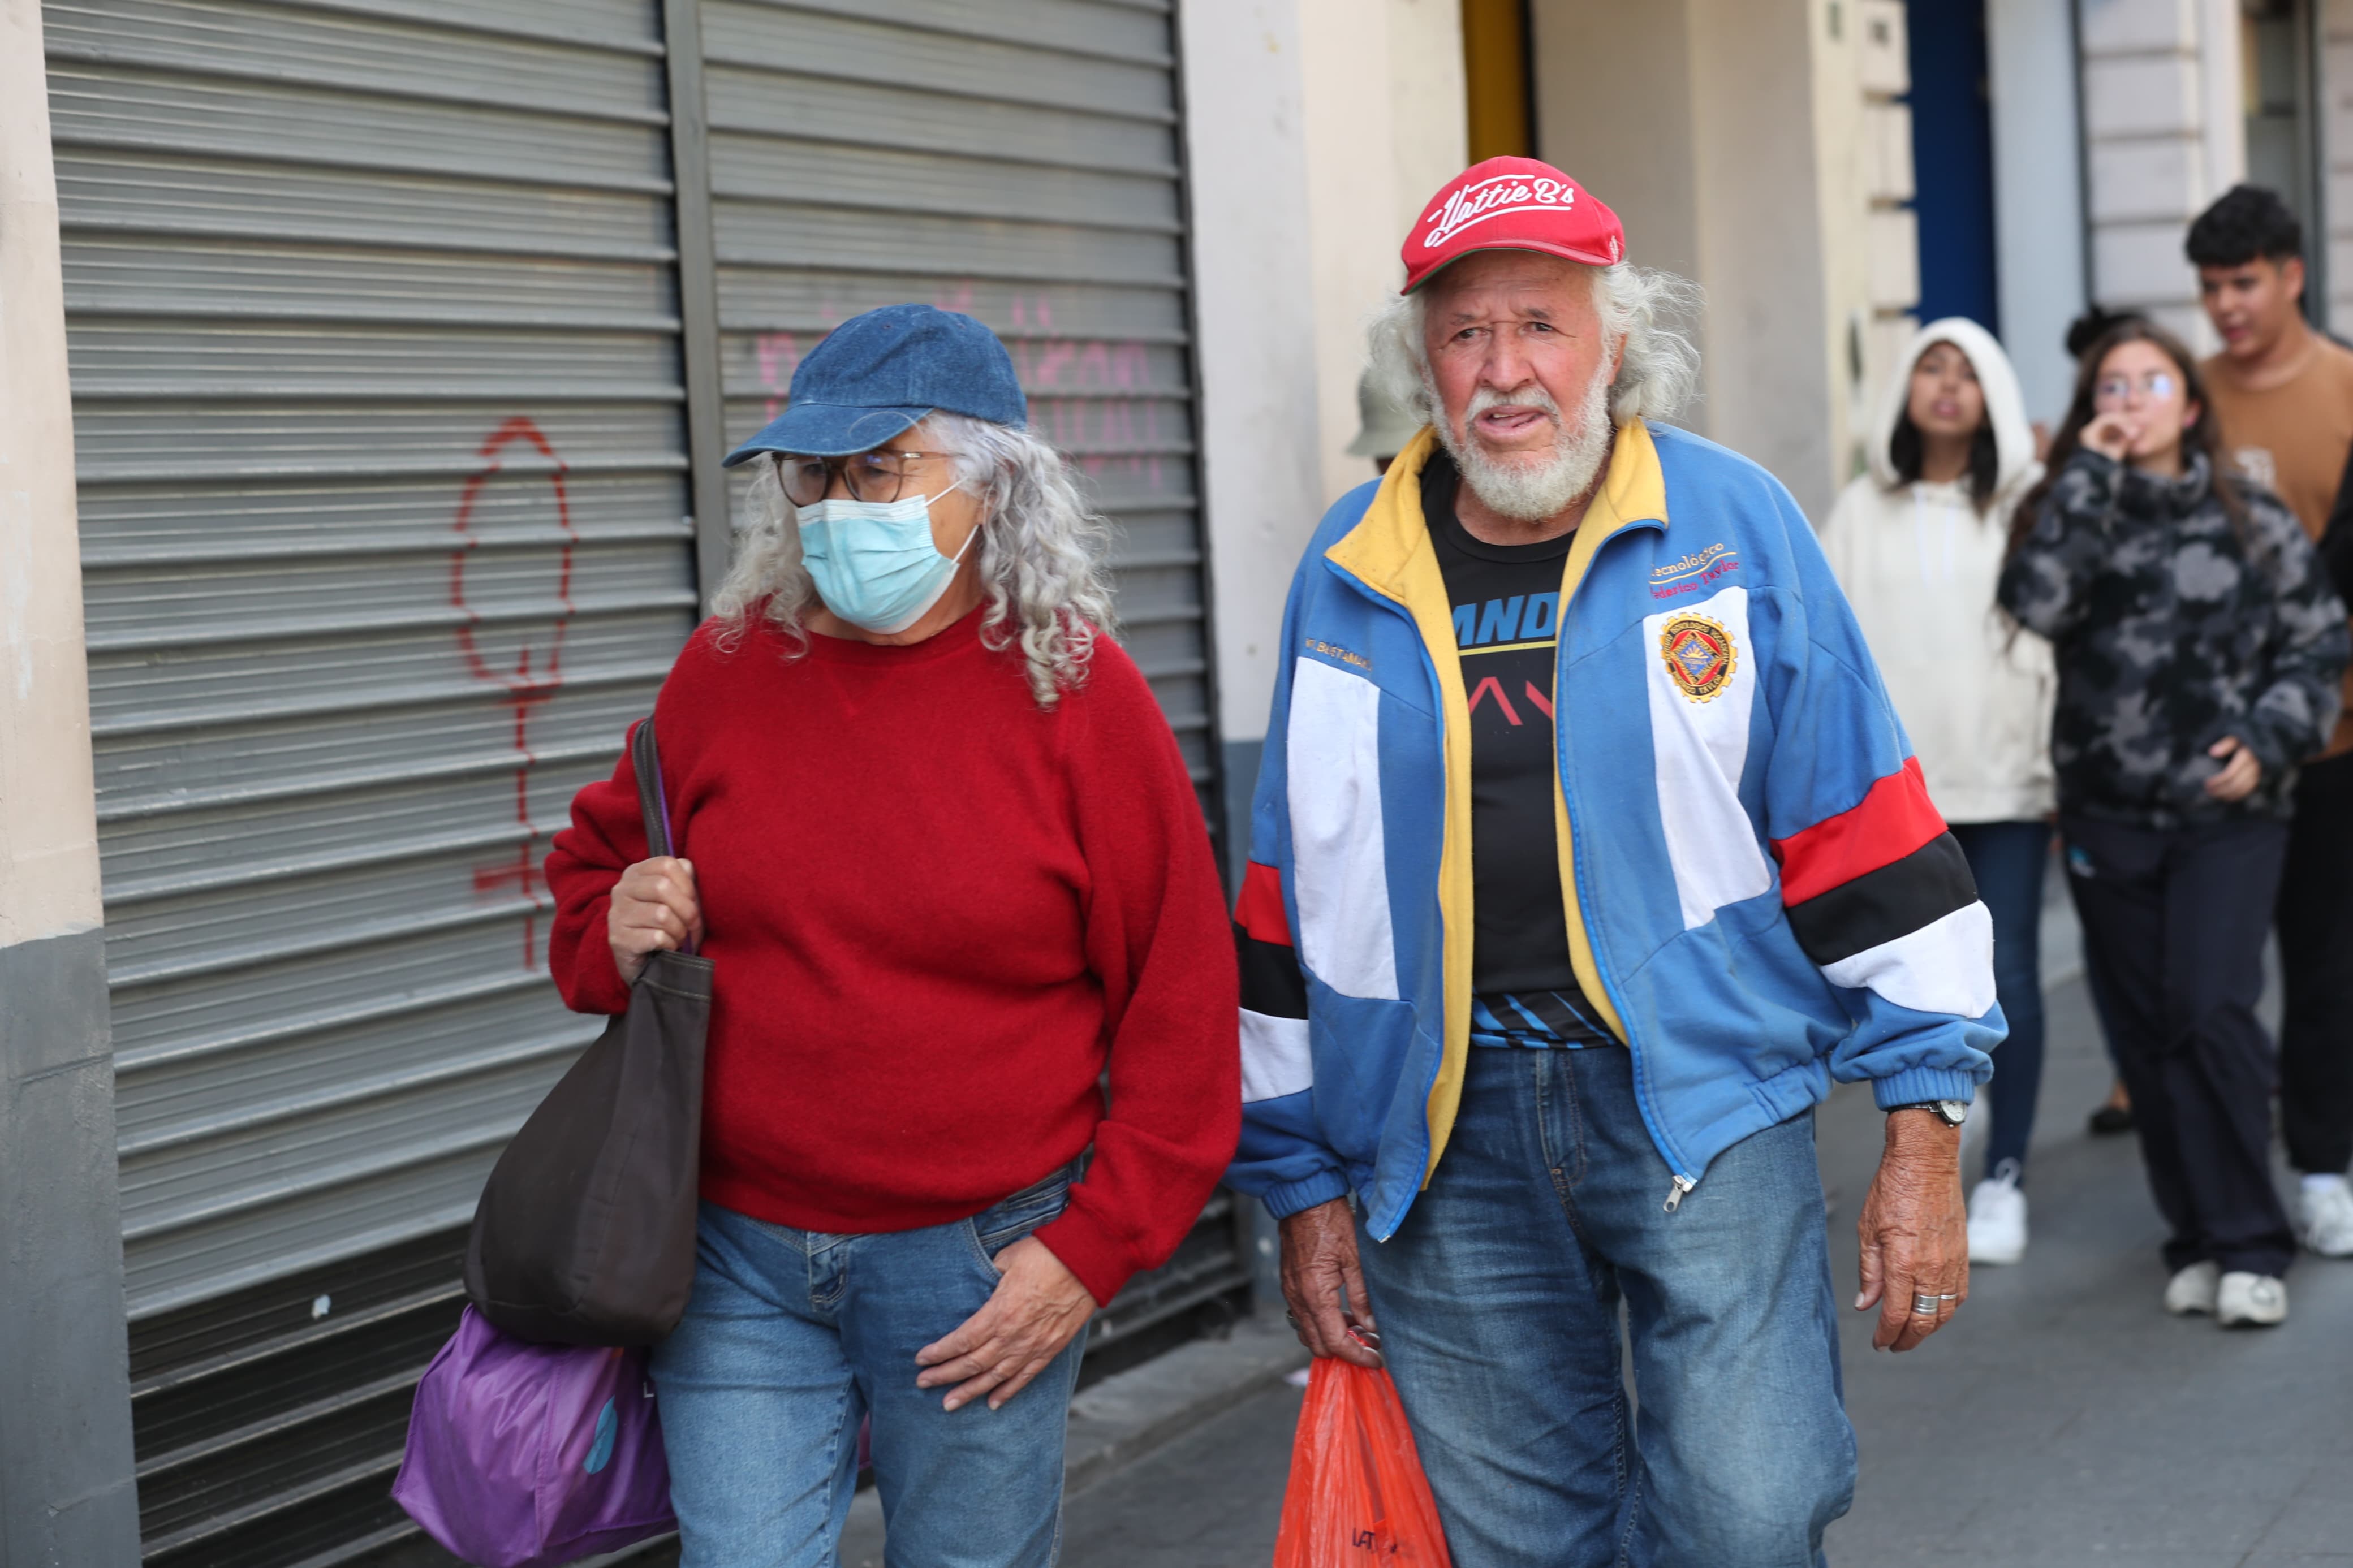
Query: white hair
<point x="1639" y="308"/>
<point x="1043" y="554"/>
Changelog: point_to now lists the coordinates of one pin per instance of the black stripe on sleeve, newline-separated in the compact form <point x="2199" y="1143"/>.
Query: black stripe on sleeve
<point x="1879" y="905"/>
<point x="1273" y="982"/>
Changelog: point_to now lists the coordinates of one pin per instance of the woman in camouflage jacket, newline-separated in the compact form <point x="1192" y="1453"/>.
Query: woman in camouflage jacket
<point x="2198" y="646"/>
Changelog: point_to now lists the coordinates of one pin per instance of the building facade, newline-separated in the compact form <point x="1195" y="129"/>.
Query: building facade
<point x="404" y="339"/>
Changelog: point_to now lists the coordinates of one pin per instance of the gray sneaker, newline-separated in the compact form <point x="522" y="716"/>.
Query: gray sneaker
<point x="2194" y="1288"/>
<point x="2251" y="1300"/>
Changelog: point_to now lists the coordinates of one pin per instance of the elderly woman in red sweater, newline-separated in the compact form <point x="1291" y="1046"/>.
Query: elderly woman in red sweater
<point x="939" y="845"/>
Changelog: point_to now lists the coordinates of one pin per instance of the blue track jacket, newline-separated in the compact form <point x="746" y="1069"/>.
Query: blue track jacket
<point x="1760" y="896"/>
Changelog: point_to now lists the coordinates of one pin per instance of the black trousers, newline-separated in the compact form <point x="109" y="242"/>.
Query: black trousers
<point x="2314" y="916"/>
<point x="2173" y="941"/>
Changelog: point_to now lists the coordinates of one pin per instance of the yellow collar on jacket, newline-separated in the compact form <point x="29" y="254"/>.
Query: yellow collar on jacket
<point x="1389" y="552"/>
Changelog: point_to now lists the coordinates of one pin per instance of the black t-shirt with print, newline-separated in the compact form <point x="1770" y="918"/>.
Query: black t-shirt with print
<point x="1506" y="605"/>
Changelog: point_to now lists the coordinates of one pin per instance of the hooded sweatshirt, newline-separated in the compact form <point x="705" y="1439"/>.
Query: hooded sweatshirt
<point x="1919" y="564"/>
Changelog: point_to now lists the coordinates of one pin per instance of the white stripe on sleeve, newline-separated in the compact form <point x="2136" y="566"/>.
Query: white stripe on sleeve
<point x="1275" y="1060"/>
<point x="1946" y="966"/>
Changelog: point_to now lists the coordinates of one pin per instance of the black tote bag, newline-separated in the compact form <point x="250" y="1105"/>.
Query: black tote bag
<point x="585" y="1234"/>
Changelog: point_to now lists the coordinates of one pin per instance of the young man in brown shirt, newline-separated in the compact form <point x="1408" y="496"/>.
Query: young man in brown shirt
<point x="2284" y="395"/>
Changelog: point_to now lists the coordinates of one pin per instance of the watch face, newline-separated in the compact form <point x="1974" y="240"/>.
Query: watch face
<point x="1954" y="1112"/>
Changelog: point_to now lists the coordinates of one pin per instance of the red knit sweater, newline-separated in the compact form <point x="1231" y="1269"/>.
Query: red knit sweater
<point x="936" y="914"/>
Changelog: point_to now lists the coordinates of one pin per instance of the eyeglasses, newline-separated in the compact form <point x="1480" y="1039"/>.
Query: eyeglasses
<point x="878" y="476"/>
<point x="2154" y="383"/>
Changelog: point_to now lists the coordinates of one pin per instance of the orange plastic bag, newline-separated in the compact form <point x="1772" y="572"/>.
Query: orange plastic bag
<point x="1357" y="1495"/>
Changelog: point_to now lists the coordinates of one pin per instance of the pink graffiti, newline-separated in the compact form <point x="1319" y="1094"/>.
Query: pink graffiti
<point x="1084" y="391"/>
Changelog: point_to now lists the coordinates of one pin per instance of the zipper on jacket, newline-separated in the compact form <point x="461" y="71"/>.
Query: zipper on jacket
<point x="1585" y="903"/>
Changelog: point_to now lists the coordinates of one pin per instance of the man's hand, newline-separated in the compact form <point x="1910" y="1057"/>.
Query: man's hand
<point x="1914" y="1231"/>
<point x="2240" y="773"/>
<point x="1323" y="1284"/>
<point x="1035" y="1310"/>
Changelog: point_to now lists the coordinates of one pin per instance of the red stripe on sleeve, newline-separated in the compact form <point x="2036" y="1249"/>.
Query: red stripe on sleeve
<point x="1258" y="909"/>
<point x="1892" y="820"/>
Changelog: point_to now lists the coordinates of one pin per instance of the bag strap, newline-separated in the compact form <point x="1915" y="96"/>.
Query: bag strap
<point x="646" y="760"/>
<point x="653" y="800"/>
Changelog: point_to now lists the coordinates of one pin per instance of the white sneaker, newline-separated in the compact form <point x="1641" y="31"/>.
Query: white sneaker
<point x="1997" y="1218"/>
<point x="2194" y="1288"/>
<point x="2251" y="1298"/>
<point x="2324" y="1217"/>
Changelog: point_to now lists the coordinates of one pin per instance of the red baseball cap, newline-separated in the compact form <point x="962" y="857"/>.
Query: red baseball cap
<point x="1511" y="203"/>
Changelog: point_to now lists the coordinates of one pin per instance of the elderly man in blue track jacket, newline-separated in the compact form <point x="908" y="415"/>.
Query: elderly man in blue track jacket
<point x="1586" y="855"/>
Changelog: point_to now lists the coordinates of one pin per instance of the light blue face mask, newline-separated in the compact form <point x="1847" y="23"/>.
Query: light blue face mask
<point x="874" y="562"/>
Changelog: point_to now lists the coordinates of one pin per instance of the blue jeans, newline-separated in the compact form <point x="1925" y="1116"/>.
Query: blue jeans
<point x="792" y="1337"/>
<point x="1498" y="1301"/>
<point x="2009" y="860"/>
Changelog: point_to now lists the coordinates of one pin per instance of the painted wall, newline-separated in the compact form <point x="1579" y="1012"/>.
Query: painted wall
<point x="2038" y="194"/>
<point x="1385" y="126"/>
<point x="2164" y="137"/>
<point x="2335" y="108"/>
<point x="1254" y="296"/>
<point x="1697" y="121"/>
<point x="66" y="1492"/>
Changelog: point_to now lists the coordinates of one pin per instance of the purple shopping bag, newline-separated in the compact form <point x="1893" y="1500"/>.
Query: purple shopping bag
<point x="523" y="1456"/>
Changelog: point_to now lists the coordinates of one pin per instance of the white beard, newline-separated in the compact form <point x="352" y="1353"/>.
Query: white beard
<point x="1527" y="487"/>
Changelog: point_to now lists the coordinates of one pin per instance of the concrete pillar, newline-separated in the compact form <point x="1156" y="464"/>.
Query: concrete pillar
<point x="67" y="1499"/>
<point x="1385" y="126"/>
<point x="1254" y="292"/>
<point x="1697" y="121"/>
<point x="2165" y="134"/>
<point x="2038" y="194"/>
<point x="2335" y="182"/>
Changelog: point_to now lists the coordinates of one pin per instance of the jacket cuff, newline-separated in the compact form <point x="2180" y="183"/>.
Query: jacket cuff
<point x="1914" y="1086"/>
<point x="596" y="984"/>
<point x="1080" y="1240"/>
<point x="1287" y="1199"/>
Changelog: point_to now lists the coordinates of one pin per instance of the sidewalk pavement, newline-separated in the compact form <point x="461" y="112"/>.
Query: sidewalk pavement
<point x="2063" y="1420"/>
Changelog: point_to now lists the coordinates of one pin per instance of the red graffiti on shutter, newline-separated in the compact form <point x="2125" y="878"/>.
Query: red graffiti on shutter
<point x="534" y="674"/>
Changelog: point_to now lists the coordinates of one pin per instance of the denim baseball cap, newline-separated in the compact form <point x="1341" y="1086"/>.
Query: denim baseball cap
<point x="876" y="374"/>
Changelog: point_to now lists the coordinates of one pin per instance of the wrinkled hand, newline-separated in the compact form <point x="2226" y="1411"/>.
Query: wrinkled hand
<point x="1915" y="1230"/>
<point x="2240" y="774"/>
<point x="1324" y="1285"/>
<point x="654" y="907"/>
<point x="1037" y="1310"/>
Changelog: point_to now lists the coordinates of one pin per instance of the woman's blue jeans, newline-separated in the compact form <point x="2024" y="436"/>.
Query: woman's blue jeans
<point x="1498" y="1300"/>
<point x="2009" y="860"/>
<point x="792" y="1337"/>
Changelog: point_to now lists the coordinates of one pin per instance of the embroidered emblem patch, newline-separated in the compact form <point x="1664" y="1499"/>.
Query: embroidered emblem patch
<point x="1700" y="656"/>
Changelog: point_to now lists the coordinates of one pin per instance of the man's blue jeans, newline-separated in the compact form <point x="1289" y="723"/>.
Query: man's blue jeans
<point x="792" y="1337"/>
<point x="1498" y="1300"/>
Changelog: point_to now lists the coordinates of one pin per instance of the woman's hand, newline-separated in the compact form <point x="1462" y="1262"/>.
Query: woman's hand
<point x="654" y="907"/>
<point x="2240" y="774"/>
<point x="1037" y="1308"/>
<point x="2111" y="435"/>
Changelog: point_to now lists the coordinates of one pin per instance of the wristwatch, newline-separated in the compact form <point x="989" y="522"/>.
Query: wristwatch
<point x="1952" y="1111"/>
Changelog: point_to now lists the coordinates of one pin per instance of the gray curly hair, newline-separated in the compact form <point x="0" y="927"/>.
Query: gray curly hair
<point x="1043" y="553"/>
<point x="1641" y="307"/>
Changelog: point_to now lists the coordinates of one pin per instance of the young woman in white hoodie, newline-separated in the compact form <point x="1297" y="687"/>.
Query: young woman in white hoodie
<point x="1917" y="544"/>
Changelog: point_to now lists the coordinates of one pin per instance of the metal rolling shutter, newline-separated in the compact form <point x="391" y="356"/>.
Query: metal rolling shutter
<point x="374" y="325"/>
<point x="1018" y="160"/>
<point x="946" y="152"/>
